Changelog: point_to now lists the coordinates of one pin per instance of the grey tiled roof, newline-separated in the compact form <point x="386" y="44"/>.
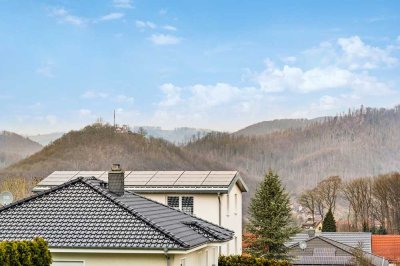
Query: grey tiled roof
<point x="83" y="213"/>
<point x="352" y="239"/>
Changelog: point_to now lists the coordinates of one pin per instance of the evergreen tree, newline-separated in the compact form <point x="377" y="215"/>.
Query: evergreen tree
<point x="270" y="220"/>
<point x="329" y="223"/>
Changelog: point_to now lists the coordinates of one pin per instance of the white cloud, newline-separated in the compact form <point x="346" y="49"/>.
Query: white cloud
<point x="172" y="95"/>
<point x="169" y="27"/>
<point x="145" y="24"/>
<point x="93" y="95"/>
<point x="85" y="112"/>
<point x="123" y="99"/>
<point x="52" y="119"/>
<point x="46" y="70"/>
<point x="358" y="55"/>
<point x="295" y="79"/>
<point x="326" y="103"/>
<point x="123" y="4"/>
<point x="65" y="17"/>
<point x="164" y="39"/>
<point x="112" y="16"/>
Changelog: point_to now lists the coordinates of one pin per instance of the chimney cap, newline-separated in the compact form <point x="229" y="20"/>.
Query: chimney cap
<point x="116" y="167"/>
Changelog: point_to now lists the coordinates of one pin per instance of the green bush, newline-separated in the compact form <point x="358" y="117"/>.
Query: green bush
<point x="25" y="253"/>
<point x="250" y="261"/>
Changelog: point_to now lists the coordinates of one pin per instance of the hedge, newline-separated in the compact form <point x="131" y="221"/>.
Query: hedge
<point x="25" y="253"/>
<point x="250" y="261"/>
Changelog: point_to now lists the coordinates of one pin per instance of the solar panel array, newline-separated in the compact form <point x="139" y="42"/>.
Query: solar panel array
<point x="150" y="178"/>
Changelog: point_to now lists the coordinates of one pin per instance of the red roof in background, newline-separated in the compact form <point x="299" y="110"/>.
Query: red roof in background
<point x="387" y="246"/>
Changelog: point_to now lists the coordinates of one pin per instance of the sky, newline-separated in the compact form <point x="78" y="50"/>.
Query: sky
<point x="217" y="64"/>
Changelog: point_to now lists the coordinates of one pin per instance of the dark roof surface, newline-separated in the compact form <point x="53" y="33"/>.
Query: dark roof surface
<point x="83" y="213"/>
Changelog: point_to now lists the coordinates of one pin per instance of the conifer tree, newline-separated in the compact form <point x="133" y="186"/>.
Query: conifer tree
<point x="270" y="220"/>
<point x="329" y="223"/>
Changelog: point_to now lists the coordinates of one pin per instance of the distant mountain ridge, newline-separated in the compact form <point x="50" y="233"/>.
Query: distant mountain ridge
<point x="14" y="147"/>
<point x="97" y="146"/>
<point x="180" y="135"/>
<point x="267" y="127"/>
<point x="45" y="139"/>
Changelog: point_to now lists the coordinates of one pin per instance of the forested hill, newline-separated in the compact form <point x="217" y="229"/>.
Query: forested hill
<point x="361" y="143"/>
<point x="267" y="127"/>
<point x="97" y="146"/>
<point x="14" y="147"/>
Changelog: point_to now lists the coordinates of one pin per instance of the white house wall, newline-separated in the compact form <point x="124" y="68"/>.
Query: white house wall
<point x="206" y="207"/>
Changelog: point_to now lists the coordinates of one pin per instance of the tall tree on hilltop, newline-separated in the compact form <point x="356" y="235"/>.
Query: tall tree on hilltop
<point x="329" y="224"/>
<point x="270" y="220"/>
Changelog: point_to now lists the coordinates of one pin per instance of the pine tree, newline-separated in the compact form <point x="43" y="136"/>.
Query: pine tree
<point x="270" y="220"/>
<point x="329" y="223"/>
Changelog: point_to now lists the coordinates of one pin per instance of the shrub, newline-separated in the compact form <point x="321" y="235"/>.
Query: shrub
<point x="25" y="253"/>
<point x="250" y="261"/>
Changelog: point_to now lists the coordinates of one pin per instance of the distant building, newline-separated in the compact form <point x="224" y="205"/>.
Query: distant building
<point x="88" y="222"/>
<point x="215" y="196"/>
<point x="310" y="225"/>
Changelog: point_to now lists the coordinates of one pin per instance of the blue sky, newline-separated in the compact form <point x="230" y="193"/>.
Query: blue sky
<point x="210" y="64"/>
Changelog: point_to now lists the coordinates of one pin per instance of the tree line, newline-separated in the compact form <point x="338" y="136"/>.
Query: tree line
<point x="370" y="203"/>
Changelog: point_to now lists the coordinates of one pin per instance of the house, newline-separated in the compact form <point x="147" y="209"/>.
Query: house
<point x="312" y="225"/>
<point x="352" y="239"/>
<point x="320" y="250"/>
<point x="387" y="246"/>
<point x="215" y="196"/>
<point x="89" y="222"/>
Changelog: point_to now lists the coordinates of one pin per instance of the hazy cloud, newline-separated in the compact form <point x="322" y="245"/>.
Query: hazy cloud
<point x="164" y="39"/>
<point x="65" y="17"/>
<point x="123" y="4"/>
<point x="145" y="24"/>
<point x="112" y="16"/>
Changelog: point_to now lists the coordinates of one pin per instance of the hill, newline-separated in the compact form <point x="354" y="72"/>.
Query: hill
<point x="365" y="142"/>
<point x="14" y="147"/>
<point x="97" y="146"/>
<point x="267" y="127"/>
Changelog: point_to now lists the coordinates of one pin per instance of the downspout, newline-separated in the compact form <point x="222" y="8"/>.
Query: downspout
<point x="219" y="217"/>
<point x="167" y="257"/>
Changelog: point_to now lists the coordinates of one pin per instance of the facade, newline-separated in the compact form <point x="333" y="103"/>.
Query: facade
<point x="89" y="222"/>
<point x="215" y="196"/>
<point x="319" y="250"/>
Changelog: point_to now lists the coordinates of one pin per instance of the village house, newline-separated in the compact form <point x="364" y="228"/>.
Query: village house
<point x="215" y="196"/>
<point x="88" y="222"/>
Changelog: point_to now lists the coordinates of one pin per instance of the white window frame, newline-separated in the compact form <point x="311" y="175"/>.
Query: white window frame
<point x="206" y="256"/>
<point x="180" y="201"/>
<point x="228" y="248"/>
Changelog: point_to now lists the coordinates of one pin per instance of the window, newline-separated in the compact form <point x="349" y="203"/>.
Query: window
<point x="236" y="204"/>
<point x="173" y="201"/>
<point x="187" y="204"/>
<point x="183" y="262"/>
<point x="183" y="203"/>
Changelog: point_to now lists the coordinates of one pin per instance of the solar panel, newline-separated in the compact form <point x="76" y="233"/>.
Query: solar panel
<point x="149" y="178"/>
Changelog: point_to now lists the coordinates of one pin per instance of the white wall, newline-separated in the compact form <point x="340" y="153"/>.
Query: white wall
<point x="205" y="206"/>
<point x="207" y="256"/>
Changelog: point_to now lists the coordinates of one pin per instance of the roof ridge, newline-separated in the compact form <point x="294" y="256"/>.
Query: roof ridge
<point x="145" y="219"/>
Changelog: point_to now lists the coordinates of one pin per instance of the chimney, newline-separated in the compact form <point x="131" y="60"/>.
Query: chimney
<point x="311" y="233"/>
<point x="116" y="180"/>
